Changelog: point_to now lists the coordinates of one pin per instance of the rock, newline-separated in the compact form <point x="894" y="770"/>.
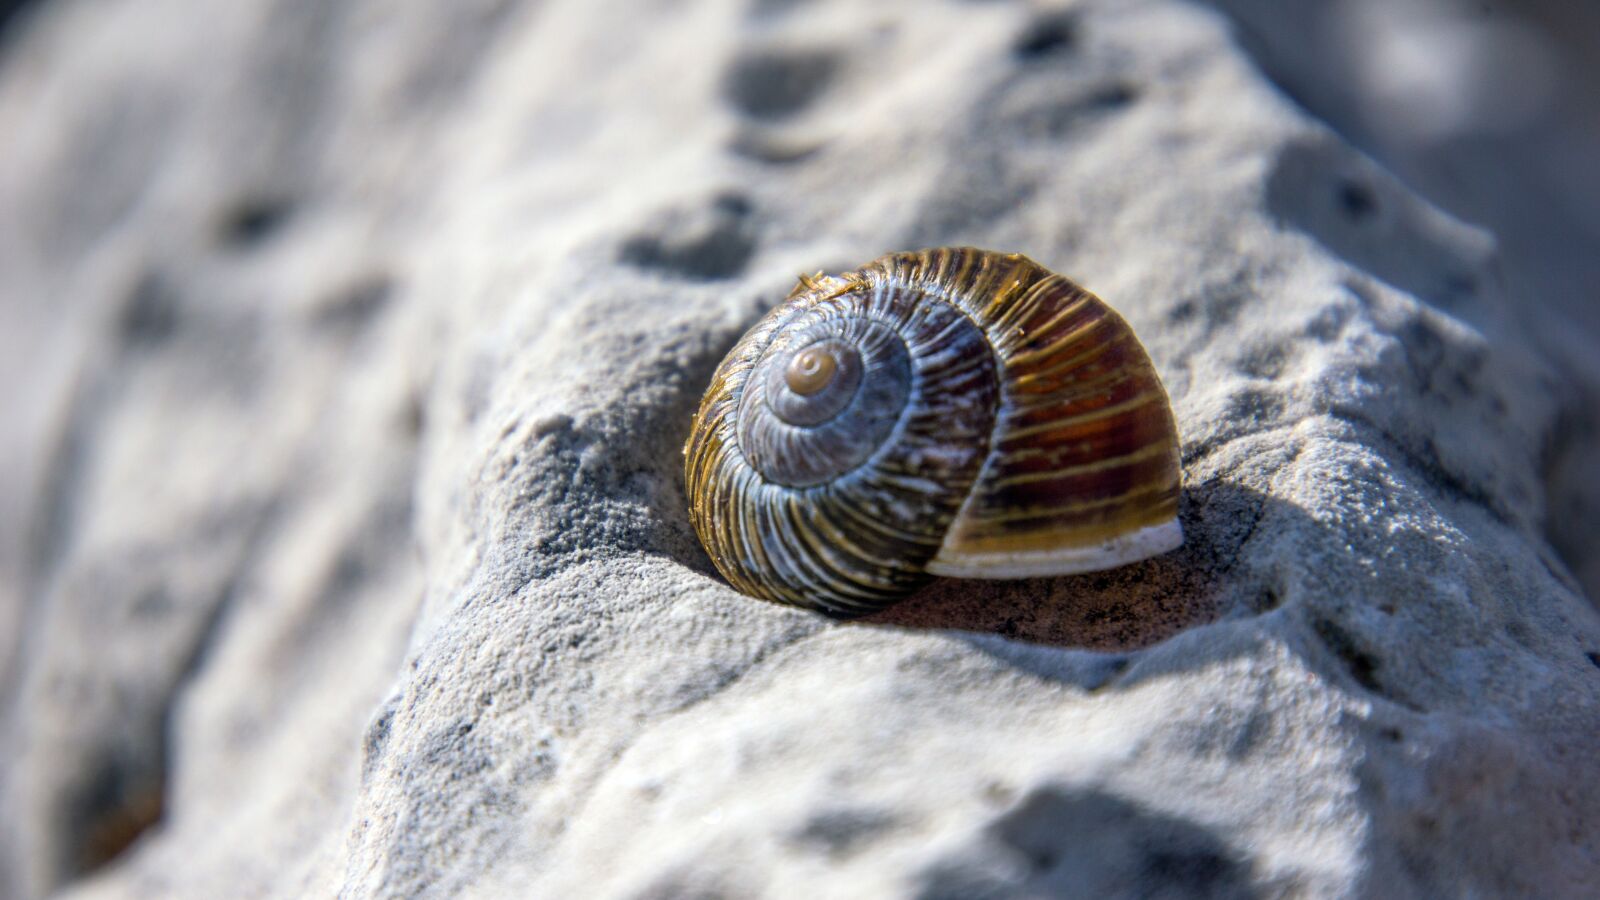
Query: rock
<point x="1491" y="135"/>
<point x="354" y="349"/>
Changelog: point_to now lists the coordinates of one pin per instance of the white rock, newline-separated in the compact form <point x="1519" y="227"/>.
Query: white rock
<point x="362" y="344"/>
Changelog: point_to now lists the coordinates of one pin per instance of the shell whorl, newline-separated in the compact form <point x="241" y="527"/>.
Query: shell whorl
<point x="952" y="411"/>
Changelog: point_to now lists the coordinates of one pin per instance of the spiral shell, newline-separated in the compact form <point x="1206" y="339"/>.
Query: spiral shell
<point x="950" y="412"/>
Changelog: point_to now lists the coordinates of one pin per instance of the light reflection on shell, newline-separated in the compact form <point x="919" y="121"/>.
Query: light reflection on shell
<point x="975" y="415"/>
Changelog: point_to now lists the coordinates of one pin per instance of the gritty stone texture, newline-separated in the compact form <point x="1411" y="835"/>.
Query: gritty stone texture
<point x="353" y="348"/>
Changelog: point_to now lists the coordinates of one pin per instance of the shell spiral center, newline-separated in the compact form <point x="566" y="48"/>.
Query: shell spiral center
<point x="823" y="397"/>
<point x="811" y="370"/>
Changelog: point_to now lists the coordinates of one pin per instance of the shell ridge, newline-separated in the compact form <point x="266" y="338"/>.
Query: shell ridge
<point x="1045" y="405"/>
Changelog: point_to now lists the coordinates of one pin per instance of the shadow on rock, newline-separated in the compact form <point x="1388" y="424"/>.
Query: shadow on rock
<point x="1129" y="607"/>
<point x="1060" y="842"/>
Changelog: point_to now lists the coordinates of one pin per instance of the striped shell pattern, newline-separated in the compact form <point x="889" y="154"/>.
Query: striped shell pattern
<point x="950" y="412"/>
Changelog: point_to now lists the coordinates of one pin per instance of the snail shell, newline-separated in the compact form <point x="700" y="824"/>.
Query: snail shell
<point x="950" y="412"/>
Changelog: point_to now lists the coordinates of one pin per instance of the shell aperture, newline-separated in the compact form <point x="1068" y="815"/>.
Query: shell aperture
<point x="947" y="412"/>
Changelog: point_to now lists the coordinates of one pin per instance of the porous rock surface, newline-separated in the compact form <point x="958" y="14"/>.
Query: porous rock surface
<point x="348" y="355"/>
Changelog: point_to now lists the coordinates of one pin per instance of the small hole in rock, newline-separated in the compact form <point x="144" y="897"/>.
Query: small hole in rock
<point x="1047" y="36"/>
<point x="1357" y="200"/>
<point x="713" y="243"/>
<point x="841" y="832"/>
<point x="253" y="221"/>
<point x="1594" y="658"/>
<point x="1114" y="95"/>
<point x="776" y="84"/>
<point x="1363" y="666"/>
<point x="732" y="204"/>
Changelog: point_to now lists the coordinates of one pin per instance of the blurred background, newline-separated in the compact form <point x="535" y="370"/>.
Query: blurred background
<point x="1491" y="110"/>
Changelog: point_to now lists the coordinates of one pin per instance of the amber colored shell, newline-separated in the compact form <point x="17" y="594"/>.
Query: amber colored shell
<point x="949" y="412"/>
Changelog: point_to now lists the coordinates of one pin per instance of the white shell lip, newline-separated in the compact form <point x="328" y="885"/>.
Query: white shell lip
<point x="1151" y="540"/>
